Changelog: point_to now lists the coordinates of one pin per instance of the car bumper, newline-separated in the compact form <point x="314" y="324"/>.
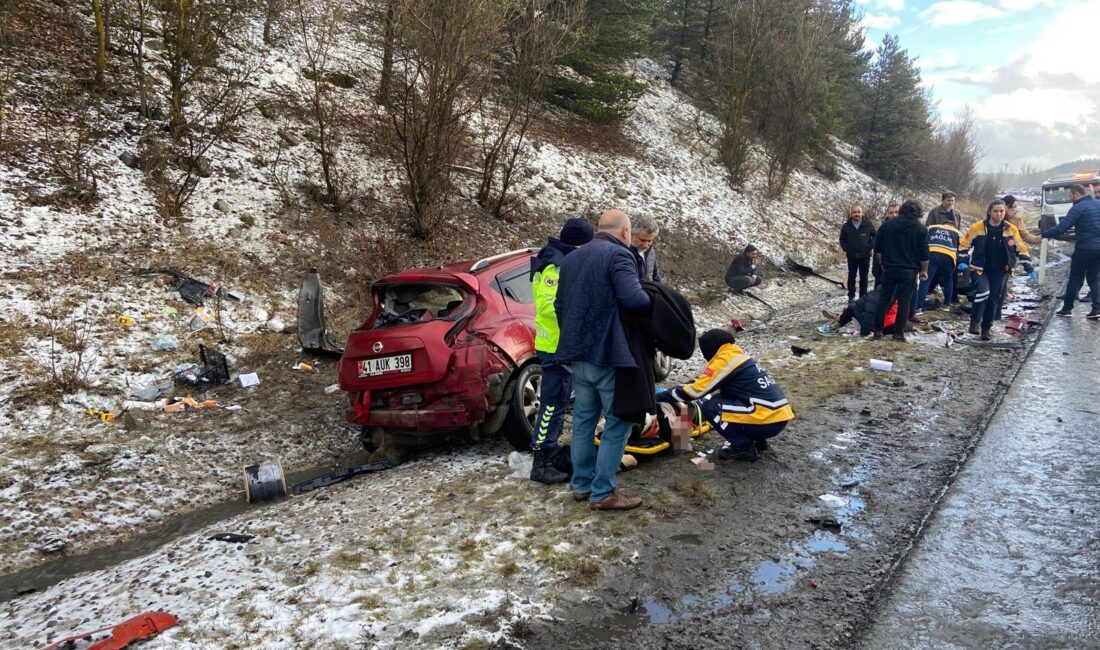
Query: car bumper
<point x="417" y="420"/>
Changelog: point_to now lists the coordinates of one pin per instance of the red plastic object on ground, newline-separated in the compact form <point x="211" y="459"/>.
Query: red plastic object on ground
<point x="1016" y="325"/>
<point x="143" y="626"/>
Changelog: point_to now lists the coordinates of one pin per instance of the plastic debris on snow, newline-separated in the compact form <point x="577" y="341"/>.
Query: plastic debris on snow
<point x="833" y="500"/>
<point x="520" y="463"/>
<point x="249" y="379"/>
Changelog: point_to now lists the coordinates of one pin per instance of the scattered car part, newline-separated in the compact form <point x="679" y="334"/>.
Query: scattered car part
<point x="339" y="475"/>
<point x="772" y="311"/>
<point x="806" y="269"/>
<point x="214" y="370"/>
<point x="311" y="318"/>
<point x="232" y="538"/>
<point x="799" y="351"/>
<point x="264" y="482"/>
<point x="190" y="289"/>
<point x="142" y="626"/>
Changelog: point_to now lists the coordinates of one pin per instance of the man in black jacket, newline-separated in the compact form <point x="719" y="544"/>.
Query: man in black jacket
<point x="857" y="239"/>
<point x="742" y="272"/>
<point x="902" y="245"/>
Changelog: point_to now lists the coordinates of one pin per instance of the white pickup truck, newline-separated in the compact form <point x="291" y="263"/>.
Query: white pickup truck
<point x="1055" y="198"/>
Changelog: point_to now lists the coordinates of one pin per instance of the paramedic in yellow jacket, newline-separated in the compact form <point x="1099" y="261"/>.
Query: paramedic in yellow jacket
<point x="736" y="395"/>
<point x="995" y="246"/>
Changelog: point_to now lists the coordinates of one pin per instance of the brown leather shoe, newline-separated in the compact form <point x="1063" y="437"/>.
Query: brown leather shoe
<point x="616" y="501"/>
<point x="581" y="496"/>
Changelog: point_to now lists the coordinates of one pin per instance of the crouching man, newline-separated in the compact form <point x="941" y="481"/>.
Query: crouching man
<point x="736" y="395"/>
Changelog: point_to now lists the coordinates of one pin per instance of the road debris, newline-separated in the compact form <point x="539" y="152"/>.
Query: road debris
<point x="249" y="379"/>
<point x="882" y="365"/>
<point x="833" y="500"/>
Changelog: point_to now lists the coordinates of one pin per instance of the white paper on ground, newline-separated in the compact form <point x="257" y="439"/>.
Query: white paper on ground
<point x="250" y="379"/>
<point x="833" y="500"/>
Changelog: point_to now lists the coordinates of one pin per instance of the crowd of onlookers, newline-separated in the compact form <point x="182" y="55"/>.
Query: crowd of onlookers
<point x="603" y="312"/>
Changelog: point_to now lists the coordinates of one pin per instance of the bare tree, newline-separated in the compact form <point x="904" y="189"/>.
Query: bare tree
<point x="134" y="23"/>
<point x="72" y="129"/>
<point x="539" y="33"/>
<point x="735" y="74"/>
<point x="389" y="35"/>
<point x="447" y="46"/>
<point x="272" y="10"/>
<point x="100" y="16"/>
<point x="320" y="25"/>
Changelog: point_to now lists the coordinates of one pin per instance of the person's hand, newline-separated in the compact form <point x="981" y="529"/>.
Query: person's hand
<point x="924" y="275"/>
<point x="670" y="398"/>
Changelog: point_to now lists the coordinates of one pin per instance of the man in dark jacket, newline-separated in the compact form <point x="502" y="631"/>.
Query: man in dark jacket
<point x="557" y="378"/>
<point x="857" y="239"/>
<point x="1085" y="262"/>
<point x="742" y="272"/>
<point x="643" y="235"/>
<point x="944" y="212"/>
<point x="902" y="245"/>
<point x="876" y="263"/>
<point x="596" y="281"/>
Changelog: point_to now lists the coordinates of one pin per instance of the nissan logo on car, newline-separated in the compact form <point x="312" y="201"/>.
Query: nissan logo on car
<point x="377" y="346"/>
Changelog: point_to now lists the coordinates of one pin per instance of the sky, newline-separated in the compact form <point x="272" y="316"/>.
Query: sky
<point x="1028" y="69"/>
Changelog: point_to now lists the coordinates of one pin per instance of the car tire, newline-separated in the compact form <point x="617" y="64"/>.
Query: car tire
<point x="662" y="366"/>
<point x="523" y="406"/>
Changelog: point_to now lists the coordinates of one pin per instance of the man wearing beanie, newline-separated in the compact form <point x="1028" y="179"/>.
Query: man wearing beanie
<point x="736" y="395"/>
<point x="597" y="281"/>
<point x="557" y="378"/>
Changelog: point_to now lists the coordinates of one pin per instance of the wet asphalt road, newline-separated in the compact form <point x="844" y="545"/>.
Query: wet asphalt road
<point x="1012" y="557"/>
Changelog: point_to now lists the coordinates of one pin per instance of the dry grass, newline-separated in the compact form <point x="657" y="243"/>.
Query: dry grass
<point x="579" y="569"/>
<point x="697" y="491"/>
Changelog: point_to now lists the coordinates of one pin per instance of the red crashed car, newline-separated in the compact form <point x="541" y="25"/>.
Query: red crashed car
<point x="445" y="350"/>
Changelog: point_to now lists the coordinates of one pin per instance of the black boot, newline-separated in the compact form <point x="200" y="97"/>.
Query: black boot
<point x="543" y="471"/>
<point x="1095" y="313"/>
<point x="973" y="328"/>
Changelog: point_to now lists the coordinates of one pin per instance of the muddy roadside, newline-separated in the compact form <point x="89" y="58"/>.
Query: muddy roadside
<point x="732" y="558"/>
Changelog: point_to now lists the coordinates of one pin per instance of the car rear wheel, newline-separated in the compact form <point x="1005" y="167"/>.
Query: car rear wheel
<point x="523" y="406"/>
<point x="662" y="366"/>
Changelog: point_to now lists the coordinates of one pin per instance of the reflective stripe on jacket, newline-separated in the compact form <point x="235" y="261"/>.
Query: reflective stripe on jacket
<point x="944" y="238"/>
<point x="753" y="396"/>
<point x="975" y="240"/>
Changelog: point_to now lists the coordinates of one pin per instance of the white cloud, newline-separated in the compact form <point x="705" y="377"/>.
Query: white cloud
<point x="898" y="5"/>
<point x="1016" y="6"/>
<point x="871" y="21"/>
<point x="959" y="12"/>
<point x="1041" y="104"/>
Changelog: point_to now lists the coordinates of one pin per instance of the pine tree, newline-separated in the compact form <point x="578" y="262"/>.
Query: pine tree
<point x="894" y="122"/>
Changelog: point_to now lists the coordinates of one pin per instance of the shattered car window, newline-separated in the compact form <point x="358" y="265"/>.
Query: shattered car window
<point x="413" y="303"/>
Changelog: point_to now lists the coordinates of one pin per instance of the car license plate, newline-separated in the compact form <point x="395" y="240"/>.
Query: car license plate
<point x="384" y="365"/>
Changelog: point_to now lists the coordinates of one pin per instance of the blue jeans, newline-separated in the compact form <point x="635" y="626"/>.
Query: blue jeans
<point x="554" y="392"/>
<point x="595" y="470"/>
<point x="941" y="271"/>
